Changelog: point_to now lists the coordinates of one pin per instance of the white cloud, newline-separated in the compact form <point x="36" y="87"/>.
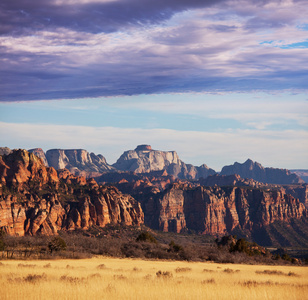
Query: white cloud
<point x="284" y="149"/>
<point x="259" y="110"/>
<point x="202" y="46"/>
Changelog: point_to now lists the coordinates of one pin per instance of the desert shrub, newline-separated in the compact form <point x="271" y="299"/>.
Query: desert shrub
<point x="231" y="271"/>
<point x="119" y="277"/>
<point x="101" y="266"/>
<point x="71" y="279"/>
<point x="2" y="245"/>
<point x="175" y="247"/>
<point x="276" y="272"/>
<point x="286" y="256"/>
<point x="208" y="271"/>
<point x="26" y="266"/>
<point x="145" y="236"/>
<point x="241" y="246"/>
<point x="166" y="274"/>
<point x="178" y="269"/>
<point x="134" y="250"/>
<point x="212" y="280"/>
<point x="35" y="277"/>
<point x="57" y="244"/>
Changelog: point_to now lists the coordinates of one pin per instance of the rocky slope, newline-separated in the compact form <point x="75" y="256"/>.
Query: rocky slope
<point x="41" y="154"/>
<point x="35" y="199"/>
<point x="303" y="174"/>
<point x="77" y="161"/>
<point x="256" y="171"/>
<point x="144" y="160"/>
<point x="218" y="210"/>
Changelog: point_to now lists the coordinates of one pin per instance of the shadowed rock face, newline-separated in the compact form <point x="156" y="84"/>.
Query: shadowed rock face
<point x="35" y="199"/>
<point x="144" y="160"/>
<point x="254" y="170"/>
<point x="218" y="210"/>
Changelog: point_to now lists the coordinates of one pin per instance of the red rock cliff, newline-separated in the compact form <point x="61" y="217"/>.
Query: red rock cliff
<point x="219" y="210"/>
<point x="34" y="199"/>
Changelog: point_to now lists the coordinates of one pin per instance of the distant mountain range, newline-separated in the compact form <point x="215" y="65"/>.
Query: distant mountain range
<point x="256" y="171"/>
<point x="144" y="159"/>
<point x="36" y="199"/>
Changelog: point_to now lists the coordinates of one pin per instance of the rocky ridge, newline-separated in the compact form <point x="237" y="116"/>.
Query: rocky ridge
<point x="254" y="170"/>
<point x="218" y="210"/>
<point x="144" y="160"/>
<point x="77" y="161"/>
<point x="35" y="199"/>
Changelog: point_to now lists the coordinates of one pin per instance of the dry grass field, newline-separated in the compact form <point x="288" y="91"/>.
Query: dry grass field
<point x="111" y="278"/>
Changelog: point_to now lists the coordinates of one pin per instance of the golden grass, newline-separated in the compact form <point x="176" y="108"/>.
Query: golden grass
<point x="112" y="278"/>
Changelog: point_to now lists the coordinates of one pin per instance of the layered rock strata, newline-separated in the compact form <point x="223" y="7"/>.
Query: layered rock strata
<point x="35" y="199"/>
<point x="218" y="210"/>
<point x="144" y="160"/>
<point x="256" y="171"/>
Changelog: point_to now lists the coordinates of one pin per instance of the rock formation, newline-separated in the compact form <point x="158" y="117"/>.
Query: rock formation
<point x="35" y="199"/>
<point x="41" y="154"/>
<point x="5" y="150"/>
<point x="144" y="160"/>
<point x="218" y="210"/>
<point x="303" y="174"/>
<point x="77" y="161"/>
<point x="256" y="171"/>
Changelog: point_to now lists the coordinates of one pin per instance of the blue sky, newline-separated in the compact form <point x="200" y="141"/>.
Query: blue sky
<point x="217" y="81"/>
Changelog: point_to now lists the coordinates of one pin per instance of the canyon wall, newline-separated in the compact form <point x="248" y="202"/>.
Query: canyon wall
<point x="219" y="210"/>
<point x="35" y="199"/>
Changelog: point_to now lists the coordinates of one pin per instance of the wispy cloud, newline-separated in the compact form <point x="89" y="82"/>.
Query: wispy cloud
<point x="215" y="149"/>
<point x="75" y="49"/>
<point x="258" y="110"/>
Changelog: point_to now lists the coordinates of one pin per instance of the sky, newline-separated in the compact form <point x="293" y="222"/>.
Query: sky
<point x="218" y="81"/>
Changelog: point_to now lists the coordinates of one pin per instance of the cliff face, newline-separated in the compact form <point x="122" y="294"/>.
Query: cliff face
<point x="38" y="200"/>
<point x="219" y="210"/>
<point x="41" y="154"/>
<point x="21" y="167"/>
<point x="144" y="160"/>
<point x="79" y="162"/>
<point x="254" y="170"/>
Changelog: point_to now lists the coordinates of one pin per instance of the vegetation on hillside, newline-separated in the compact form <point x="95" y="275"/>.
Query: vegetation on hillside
<point x="129" y="241"/>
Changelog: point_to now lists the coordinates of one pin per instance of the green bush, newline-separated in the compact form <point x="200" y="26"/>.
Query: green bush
<point x="175" y="247"/>
<point x="146" y="237"/>
<point x="57" y="244"/>
<point x="241" y="246"/>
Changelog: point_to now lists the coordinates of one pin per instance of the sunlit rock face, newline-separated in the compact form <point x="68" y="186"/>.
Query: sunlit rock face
<point x="35" y="199"/>
<point x="144" y="160"/>
<point x="77" y="161"/>
<point x="218" y="210"/>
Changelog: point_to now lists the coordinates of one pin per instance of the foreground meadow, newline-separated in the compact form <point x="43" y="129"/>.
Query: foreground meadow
<point x="111" y="278"/>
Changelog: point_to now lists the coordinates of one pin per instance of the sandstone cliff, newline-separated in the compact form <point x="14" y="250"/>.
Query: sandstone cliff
<point x="218" y="210"/>
<point x="144" y="160"/>
<point x="41" y="154"/>
<point x="78" y="161"/>
<point x="35" y="199"/>
<point x="256" y="171"/>
<point x="5" y="150"/>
